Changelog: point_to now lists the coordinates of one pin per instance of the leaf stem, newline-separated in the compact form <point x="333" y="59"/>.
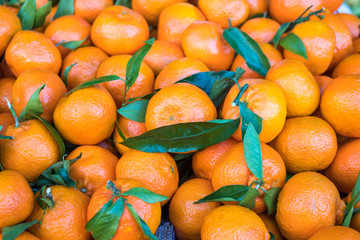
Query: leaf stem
<point x="13" y="113"/>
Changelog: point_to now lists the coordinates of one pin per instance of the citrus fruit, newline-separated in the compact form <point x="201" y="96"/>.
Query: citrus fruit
<point x="89" y="10"/>
<point x="262" y="30"/>
<point x="336" y="233"/>
<point x="10" y="24"/>
<point x="349" y="65"/>
<point x="6" y="85"/>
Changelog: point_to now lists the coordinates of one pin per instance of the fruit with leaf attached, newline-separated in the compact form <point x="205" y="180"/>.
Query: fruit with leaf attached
<point x="10" y="25"/>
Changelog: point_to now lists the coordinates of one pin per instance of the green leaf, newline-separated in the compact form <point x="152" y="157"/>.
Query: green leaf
<point x="272" y="236"/>
<point x="141" y="222"/>
<point x="11" y="233"/>
<point x="4" y="137"/>
<point x="45" y="199"/>
<point x="356" y="188"/>
<point x="228" y="193"/>
<point x="41" y="13"/>
<point x="72" y="45"/>
<point x="282" y="29"/>
<point x="248" y="48"/>
<point x="65" y="7"/>
<point x="215" y="84"/>
<point x="33" y="106"/>
<point x="66" y="73"/>
<point x="236" y="101"/>
<point x="247" y="117"/>
<point x="183" y="137"/>
<point x="349" y="210"/>
<point x="294" y="44"/>
<point x="144" y="194"/>
<point x="252" y="152"/>
<point x="270" y="199"/>
<point x="248" y="200"/>
<point x="94" y="82"/>
<point x="135" y="111"/>
<point x="105" y="224"/>
<point x="125" y="3"/>
<point x="26" y="14"/>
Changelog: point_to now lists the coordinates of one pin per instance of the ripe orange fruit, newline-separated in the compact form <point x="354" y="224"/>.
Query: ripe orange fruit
<point x="161" y="54"/>
<point x="306" y="144"/>
<point x="86" y="116"/>
<point x="29" y="81"/>
<point x="6" y="85"/>
<point x="231" y="169"/>
<point x="307" y="203"/>
<point x="349" y="65"/>
<point x="6" y="72"/>
<point x="128" y="228"/>
<point x="175" y="19"/>
<point x="32" y="150"/>
<point x="29" y="49"/>
<point x="179" y="69"/>
<point x="224" y="223"/>
<point x="220" y="11"/>
<point x="10" y="24"/>
<point x="129" y="128"/>
<point x="66" y="220"/>
<point x="340" y="105"/>
<point x="179" y="103"/>
<point x="6" y="119"/>
<point x="186" y="216"/>
<point x="16" y="199"/>
<point x="336" y="233"/>
<point x="90" y="10"/>
<point x="49" y="18"/>
<point x="265" y="99"/>
<point x="95" y="167"/>
<point x="24" y="236"/>
<point x="203" y="40"/>
<point x="286" y="11"/>
<point x="109" y="145"/>
<point x="156" y="171"/>
<point x="332" y="5"/>
<point x="352" y="22"/>
<point x="203" y="162"/>
<point x="262" y="30"/>
<point x="88" y="60"/>
<point x="257" y="6"/>
<point x="119" y="30"/>
<point x="116" y="65"/>
<point x="271" y="225"/>
<point x="299" y="86"/>
<point x="273" y="55"/>
<point x="68" y="28"/>
<point x="319" y="41"/>
<point x="345" y="168"/>
<point x="323" y="81"/>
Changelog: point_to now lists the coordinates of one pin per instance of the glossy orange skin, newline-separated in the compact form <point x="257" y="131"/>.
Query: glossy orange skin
<point x="231" y="169"/>
<point x="29" y="49"/>
<point x="203" y="40"/>
<point x="116" y="65"/>
<point x="271" y="225"/>
<point x="265" y="99"/>
<point x="119" y="30"/>
<point x="336" y="233"/>
<point x="286" y="11"/>
<point x="307" y="203"/>
<point x="219" y="11"/>
<point x="88" y="60"/>
<point x="175" y="19"/>
<point x="224" y="223"/>
<point x="340" y="105"/>
<point x="302" y="94"/>
<point x="6" y="85"/>
<point x="16" y="199"/>
<point x="203" y="162"/>
<point x="128" y="229"/>
<point x="179" y="103"/>
<point x="179" y="69"/>
<point x="6" y="119"/>
<point x="10" y="24"/>
<point x="345" y="168"/>
<point x="273" y="55"/>
<point x="319" y="40"/>
<point x="161" y="54"/>
<point x="130" y="129"/>
<point x="349" y="65"/>
<point x="66" y="220"/>
<point x="24" y="236"/>
<point x="156" y="171"/>
<point x="32" y="150"/>
<point x="332" y="5"/>
<point x="352" y="22"/>
<point x="95" y="167"/>
<point x="306" y="144"/>
<point x="68" y="28"/>
<point x="186" y="216"/>
<point x="28" y="82"/>
<point x="86" y="116"/>
<point x="89" y="10"/>
<point x="262" y="30"/>
<point x="323" y="81"/>
<point x="257" y="6"/>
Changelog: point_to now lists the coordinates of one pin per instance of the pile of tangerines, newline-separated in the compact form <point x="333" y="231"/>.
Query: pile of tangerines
<point x="177" y="119"/>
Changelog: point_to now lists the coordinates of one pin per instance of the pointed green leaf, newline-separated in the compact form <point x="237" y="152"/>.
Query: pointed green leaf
<point x="33" y="106"/>
<point x="94" y="82"/>
<point x="228" y="193"/>
<point x="248" y="200"/>
<point x="91" y="224"/>
<point x="125" y="3"/>
<point x="247" y="117"/>
<point x="41" y="13"/>
<point x="270" y="199"/>
<point x="26" y="14"/>
<point x="349" y="210"/>
<point x="66" y="73"/>
<point x="11" y="233"/>
<point x="145" y="195"/>
<point x="252" y="152"/>
<point x="294" y="44"/>
<point x="135" y="111"/>
<point x="282" y="29"/>
<point x="72" y="45"/>
<point x="141" y="222"/>
<point x="356" y="188"/>
<point x="272" y="236"/>
<point x="65" y="7"/>
<point x="183" y="137"/>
